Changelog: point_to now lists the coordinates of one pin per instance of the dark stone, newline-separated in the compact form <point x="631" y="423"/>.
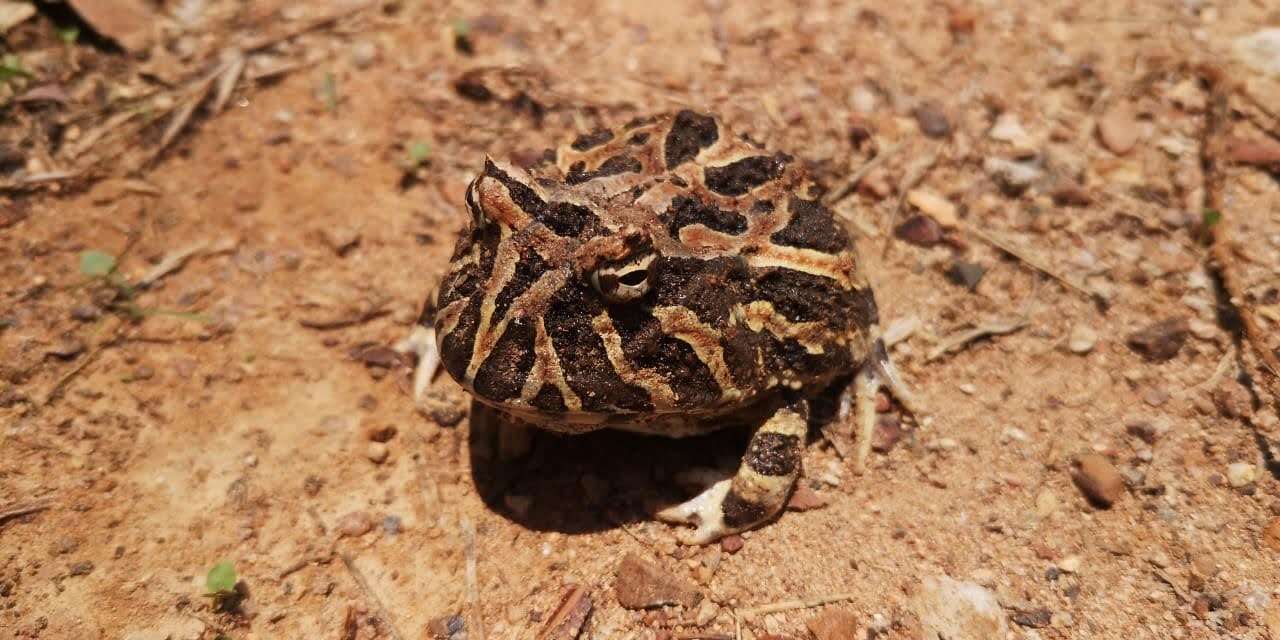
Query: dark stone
<point x="920" y="230"/>
<point x="966" y="274"/>
<point x="932" y="120"/>
<point x="1160" y="341"/>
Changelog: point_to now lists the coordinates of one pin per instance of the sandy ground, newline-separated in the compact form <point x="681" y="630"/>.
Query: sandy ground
<point x="155" y="449"/>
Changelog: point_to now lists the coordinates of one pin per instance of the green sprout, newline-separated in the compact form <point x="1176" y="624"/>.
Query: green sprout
<point x="11" y="68"/>
<point x="461" y="28"/>
<point x="1210" y="218"/>
<point x="220" y="584"/>
<point x="329" y="91"/>
<point x="69" y="35"/>
<point x="103" y="268"/>
<point x="419" y="152"/>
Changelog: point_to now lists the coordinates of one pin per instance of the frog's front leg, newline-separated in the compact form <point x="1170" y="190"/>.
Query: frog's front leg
<point x="422" y="343"/>
<point x="759" y="491"/>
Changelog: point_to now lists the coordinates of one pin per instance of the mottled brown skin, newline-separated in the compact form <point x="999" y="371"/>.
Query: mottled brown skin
<point x="664" y="277"/>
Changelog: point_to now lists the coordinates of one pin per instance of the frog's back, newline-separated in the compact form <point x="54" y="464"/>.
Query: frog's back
<point x="652" y="276"/>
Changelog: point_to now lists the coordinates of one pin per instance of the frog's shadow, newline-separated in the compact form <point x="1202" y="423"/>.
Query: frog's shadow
<point x="599" y="480"/>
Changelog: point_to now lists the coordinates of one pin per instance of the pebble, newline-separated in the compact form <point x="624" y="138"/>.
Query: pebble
<point x="833" y="624"/>
<point x="953" y="609"/>
<point x="82" y="568"/>
<point x="354" y="524"/>
<point x="1046" y="503"/>
<point x="1260" y="51"/>
<point x="391" y="525"/>
<point x="1118" y="128"/>
<point x="806" y="499"/>
<point x="920" y="230"/>
<point x="85" y="313"/>
<point x="1201" y="329"/>
<point x="1033" y="618"/>
<point x="1241" y="474"/>
<point x="863" y="100"/>
<point x="66" y="349"/>
<point x="1271" y="535"/>
<point x="363" y="54"/>
<point x="1082" y="339"/>
<point x="1098" y="479"/>
<point x="1160" y="341"/>
<point x="640" y="584"/>
<point x="942" y="210"/>
<point x="732" y="543"/>
<point x="380" y="433"/>
<point x="966" y="274"/>
<point x="447" y="628"/>
<point x="1070" y="564"/>
<point x="1007" y="128"/>
<point x="932" y="120"/>
<point x="887" y="434"/>
<point x="1012" y="175"/>
<point x="377" y="452"/>
<point x="1146" y="430"/>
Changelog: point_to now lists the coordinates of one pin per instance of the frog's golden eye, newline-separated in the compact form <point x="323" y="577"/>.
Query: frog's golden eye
<point x="625" y="281"/>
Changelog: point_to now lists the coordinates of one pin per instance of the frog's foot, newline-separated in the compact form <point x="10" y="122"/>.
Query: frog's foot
<point x="759" y="490"/>
<point x="876" y="373"/>
<point x="422" y="343"/>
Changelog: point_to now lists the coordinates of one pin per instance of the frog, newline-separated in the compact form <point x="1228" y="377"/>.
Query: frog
<point x="667" y="277"/>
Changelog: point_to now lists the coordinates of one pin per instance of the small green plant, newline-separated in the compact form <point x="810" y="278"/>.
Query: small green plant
<point x="461" y="28"/>
<point x="11" y="68"/>
<point x="101" y="268"/>
<point x="418" y="152"/>
<point x="329" y="92"/>
<point x="220" y="584"/>
<point x="69" y="34"/>
<point x="1210" y="218"/>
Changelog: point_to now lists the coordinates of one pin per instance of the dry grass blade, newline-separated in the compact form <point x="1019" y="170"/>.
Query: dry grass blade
<point x="227" y="80"/>
<point x="170" y="263"/>
<point x="17" y="509"/>
<point x="803" y="603"/>
<point x="957" y="340"/>
<point x="1039" y="264"/>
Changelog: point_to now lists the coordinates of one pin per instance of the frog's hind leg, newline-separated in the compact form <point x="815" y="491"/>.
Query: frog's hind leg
<point x="759" y="490"/>
<point x="878" y="371"/>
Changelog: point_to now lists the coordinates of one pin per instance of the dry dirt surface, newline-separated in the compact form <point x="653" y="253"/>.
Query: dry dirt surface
<point x="1071" y="214"/>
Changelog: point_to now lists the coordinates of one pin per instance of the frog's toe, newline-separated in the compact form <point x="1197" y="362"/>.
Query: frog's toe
<point x="704" y="511"/>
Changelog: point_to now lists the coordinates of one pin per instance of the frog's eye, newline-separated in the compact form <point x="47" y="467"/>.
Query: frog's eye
<point x="625" y="281"/>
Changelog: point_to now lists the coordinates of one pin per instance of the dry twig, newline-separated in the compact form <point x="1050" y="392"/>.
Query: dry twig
<point x="17" y="509"/>
<point x="1219" y="223"/>
<point x="803" y="603"/>
<point x="856" y="177"/>
<point x="992" y="328"/>
<point x="1039" y="264"/>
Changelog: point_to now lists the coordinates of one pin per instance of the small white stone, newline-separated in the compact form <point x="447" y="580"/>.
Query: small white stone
<point x="1082" y="339"/>
<point x="1070" y="564"/>
<point x="968" y="388"/>
<point x="1007" y="128"/>
<point x="363" y="54"/>
<point x="1240" y="474"/>
<point x="935" y="206"/>
<point x="1014" y="433"/>
<point x="863" y="99"/>
<point x="1012" y="173"/>
<point x="1046" y="503"/>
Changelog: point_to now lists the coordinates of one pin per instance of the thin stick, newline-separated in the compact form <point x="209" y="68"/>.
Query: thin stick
<point x="377" y="602"/>
<point x="1038" y="264"/>
<point x="1216" y="127"/>
<point x="792" y="605"/>
<point x="17" y="509"/>
<point x="963" y="338"/>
